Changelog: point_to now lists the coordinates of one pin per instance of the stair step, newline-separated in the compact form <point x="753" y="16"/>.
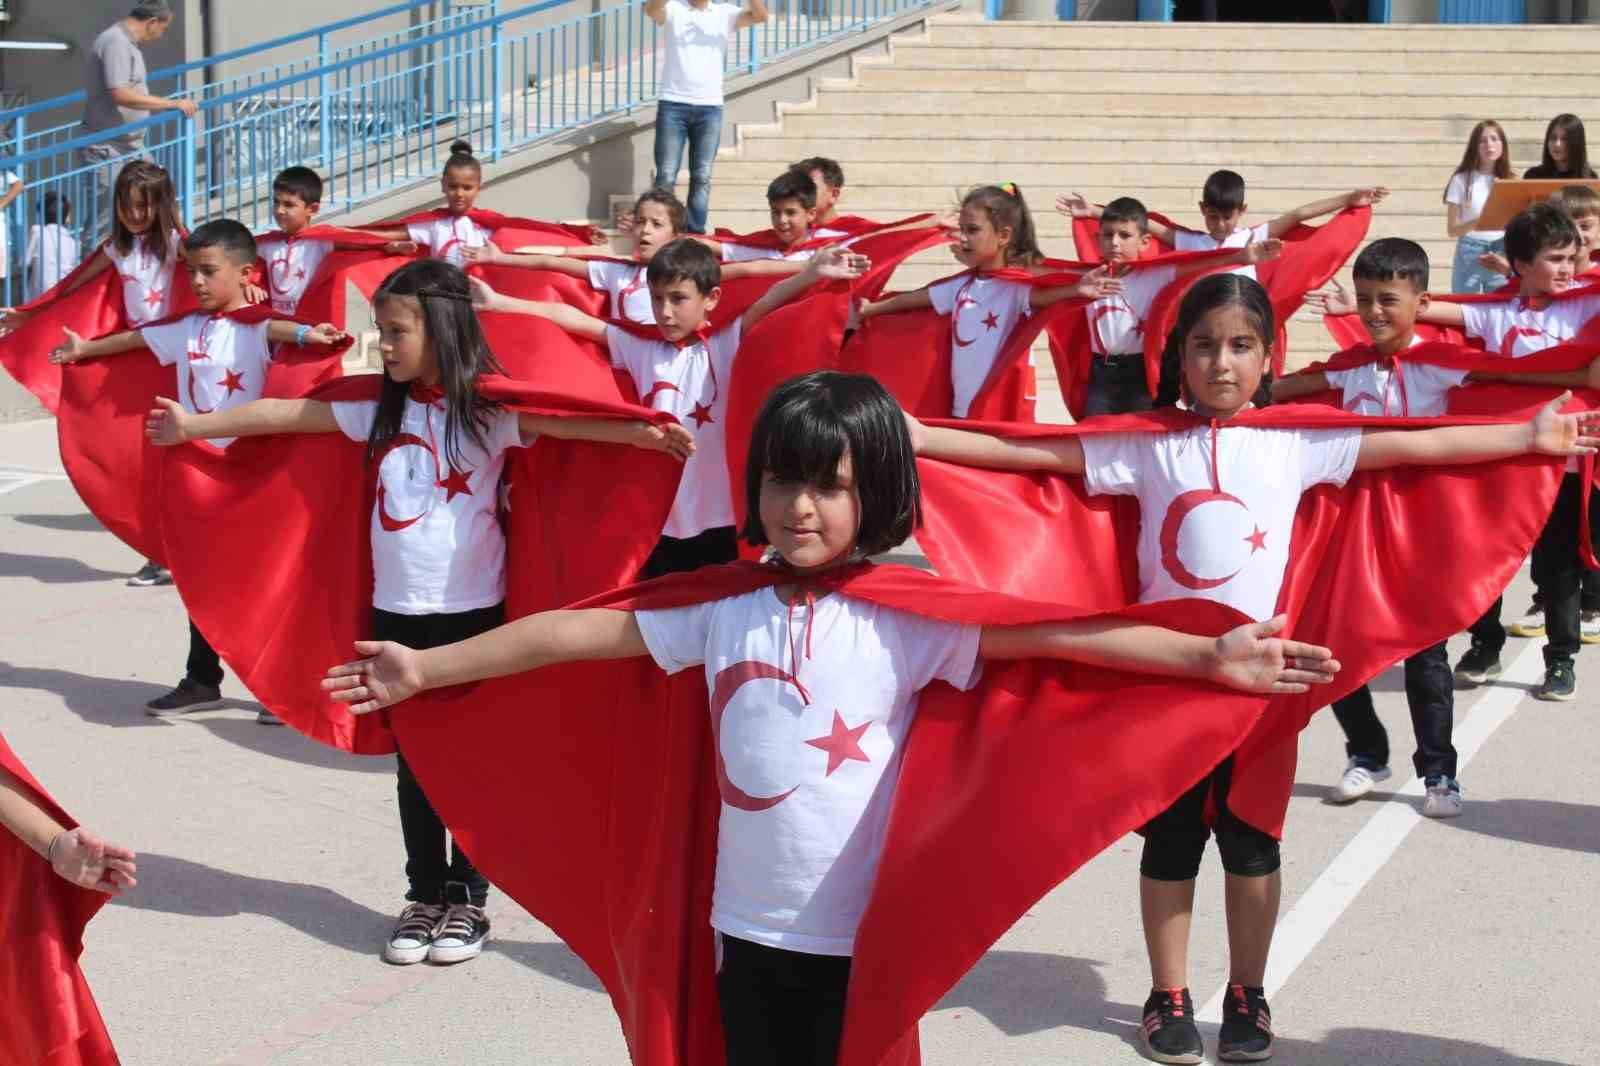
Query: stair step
<point x="1006" y="152"/>
<point x="1285" y="83"/>
<point x="1220" y="57"/>
<point x="1242" y="38"/>
<point x="733" y="168"/>
<point x="1526" y="138"/>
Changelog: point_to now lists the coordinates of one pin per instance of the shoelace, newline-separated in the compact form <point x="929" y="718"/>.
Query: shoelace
<point x="418" y="919"/>
<point x="459" y="921"/>
<point x="1172" y="1003"/>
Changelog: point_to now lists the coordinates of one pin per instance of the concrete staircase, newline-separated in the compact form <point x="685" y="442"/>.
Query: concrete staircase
<point x="1150" y="110"/>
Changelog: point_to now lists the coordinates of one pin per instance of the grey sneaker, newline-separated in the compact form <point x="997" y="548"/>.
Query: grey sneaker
<point x="151" y="573"/>
<point x="189" y="696"/>
<point x="1560" y="683"/>
<point x="1443" y="798"/>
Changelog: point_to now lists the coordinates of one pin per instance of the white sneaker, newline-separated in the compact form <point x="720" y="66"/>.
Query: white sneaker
<point x="413" y="934"/>
<point x="1357" y="781"/>
<point x="1443" y="800"/>
<point x="1530" y="624"/>
<point x="1589" y="627"/>
<point x="461" y="935"/>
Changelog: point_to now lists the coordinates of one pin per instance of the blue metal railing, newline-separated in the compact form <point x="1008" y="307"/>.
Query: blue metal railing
<point x="379" y="114"/>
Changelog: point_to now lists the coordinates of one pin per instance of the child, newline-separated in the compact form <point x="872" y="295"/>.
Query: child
<point x="828" y="177"/>
<point x="1391" y="277"/>
<point x="792" y="879"/>
<point x="1223" y="206"/>
<point x="1224" y="334"/>
<point x="684" y="369"/>
<point x="52" y="248"/>
<point x="792" y="203"/>
<point x="1582" y="205"/>
<point x="448" y="236"/>
<point x="291" y="264"/>
<point x="996" y="233"/>
<point x="221" y="362"/>
<point x="438" y="552"/>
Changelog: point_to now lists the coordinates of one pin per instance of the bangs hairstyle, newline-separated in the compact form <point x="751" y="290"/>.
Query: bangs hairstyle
<point x="232" y="237"/>
<point x="793" y="184"/>
<point x="1469" y="158"/>
<point x="301" y="182"/>
<point x="811" y="422"/>
<point x="832" y="173"/>
<point x="677" y="214"/>
<point x="57" y="209"/>
<point x="1126" y="209"/>
<point x="1008" y="210"/>
<point x="1210" y="293"/>
<point x="450" y="325"/>
<point x="1224" y="191"/>
<point x="1571" y="129"/>
<point x="1539" y="227"/>
<point x="684" y="259"/>
<point x="1578" y="201"/>
<point x="461" y="158"/>
<point x="1393" y="258"/>
<point x="156" y="185"/>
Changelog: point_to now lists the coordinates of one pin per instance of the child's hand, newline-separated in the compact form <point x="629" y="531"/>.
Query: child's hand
<point x="671" y="438"/>
<point x="1097" y="284"/>
<point x="1262" y="251"/>
<point x="948" y="220"/>
<point x="1334" y="300"/>
<point x="483" y="255"/>
<point x="1553" y="433"/>
<point x="404" y="248"/>
<point x="83" y="859"/>
<point x="1074" y="206"/>
<point x="484" y="298"/>
<point x="325" y="333"/>
<point x="838" y="262"/>
<point x="253" y="293"/>
<point x="69" y="350"/>
<point x="388" y="675"/>
<point x="919" y="433"/>
<point x="1363" y="197"/>
<point x="597" y="236"/>
<point x="625" y="221"/>
<point x="11" y="318"/>
<point x="1253" y="658"/>
<point x="1495" y="262"/>
<point x="167" y="424"/>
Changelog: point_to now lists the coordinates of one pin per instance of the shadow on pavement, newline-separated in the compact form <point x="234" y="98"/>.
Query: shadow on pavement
<point x="52" y="570"/>
<point x="110" y="701"/>
<point x="82" y="522"/>
<point x="1547" y="823"/>
<point x="282" y="742"/>
<point x="553" y="960"/>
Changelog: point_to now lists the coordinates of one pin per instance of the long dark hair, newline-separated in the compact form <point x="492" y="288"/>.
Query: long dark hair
<point x="441" y="290"/>
<point x="1469" y="158"/>
<point x="1008" y="210"/>
<point x="1571" y="127"/>
<point x="156" y="185"/>
<point x="1206" y="295"/>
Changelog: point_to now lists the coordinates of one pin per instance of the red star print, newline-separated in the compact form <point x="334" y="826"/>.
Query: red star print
<point x="152" y="297"/>
<point x="232" y="381"/>
<point x="455" y="483"/>
<point x="701" y="415"/>
<point x="1257" y="540"/>
<point x="841" y="744"/>
<point x="300" y="275"/>
<point x="991" y="321"/>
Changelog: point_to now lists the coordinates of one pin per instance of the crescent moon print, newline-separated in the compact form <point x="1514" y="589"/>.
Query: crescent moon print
<point x="655" y="390"/>
<point x="962" y="302"/>
<point x="1173" y="525"/>
<point x="388" y="522"/>
<point x="727" y="683"/>
<point x="1508" y="343"/>
<point x="194" y="404"/>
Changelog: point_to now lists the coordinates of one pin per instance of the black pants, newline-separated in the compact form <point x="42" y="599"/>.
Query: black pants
<point x="1558" y="573"/>
<point x="1117" y="385"/>
<point x="677" y="555"/>
<point x="427" y="869"/>
<point x="203" y="667"/>
<point x="1431" y="696"/>
<point x="780" y="1008"/>
<point x="1175" y="839"/>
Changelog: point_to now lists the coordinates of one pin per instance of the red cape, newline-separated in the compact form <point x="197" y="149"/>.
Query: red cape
<point x="510" y="232"/>
<point x="1378" y="569"/>
<point x="100" y="425"/>
<point x="1348" y="332"/>
<point x="850" y="226"/>
<point x="51" y="1016"/>
<point x="324" y="298"/>
<point x="587" y="792"/>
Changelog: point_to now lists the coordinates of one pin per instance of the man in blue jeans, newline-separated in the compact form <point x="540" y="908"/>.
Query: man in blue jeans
<point x="690" y="110"/>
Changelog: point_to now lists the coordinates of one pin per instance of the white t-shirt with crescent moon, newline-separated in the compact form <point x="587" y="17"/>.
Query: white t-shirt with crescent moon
<point x="146" y="281"/>
<point x="806" y="786"/>
<point x="982" y="311"/>
<point x="1117" y="323"/>
<point x="1230" y="546"/>
<point x="1420" y="390"/>
<point x="221" y="363"/>
<point x="1514" y="329"/>
<point x="437" y="545"/>
<point x="625" y="284"/>
<point x="291" y="268"/>
<point x="447" y="235"/>
<point x="1189" y="240"/>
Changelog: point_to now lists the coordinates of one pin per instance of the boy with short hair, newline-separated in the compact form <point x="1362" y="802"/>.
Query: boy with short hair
<point x="221" y="358"/>
<point x="828" y="176"/>
<point x="792" y="204"/>
<point x="683" y="367"/>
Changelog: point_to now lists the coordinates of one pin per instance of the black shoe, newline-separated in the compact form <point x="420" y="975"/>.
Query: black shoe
<point x="465" y="927"/>
<point x="1560" y="683"/>
<point x="189" y="696"/>
<point x="151" y="574"/>
<point x="1169" y="1033"/>
<point x="1478" y="665"/>
<point x="1246" y="1026"/>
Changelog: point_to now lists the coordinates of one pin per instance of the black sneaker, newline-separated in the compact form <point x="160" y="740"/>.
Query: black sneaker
<point x="1246" y="1026"/>
<point x="1478" y="665"/>
<point x="149" y="574"/>
<point x="465" y="927"/>
<point x="413" y="934"/>
<point x="189" y="696"/>
<point x="1560" y="683"/>
<point x="1169" y="1033"/>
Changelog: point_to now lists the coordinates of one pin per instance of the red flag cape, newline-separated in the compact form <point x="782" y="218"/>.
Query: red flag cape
<point x="510" y="232"/>
<point x="580" y="517"/>
<point x="324" y="298"/>
<point x="1348" y="332"/>
<point x="1378" y="569"/>
<point x="850" y="226"/>
<point x="587" y="791"/>
<point x="100" y="424"/>
<point x="51" y="1017"/>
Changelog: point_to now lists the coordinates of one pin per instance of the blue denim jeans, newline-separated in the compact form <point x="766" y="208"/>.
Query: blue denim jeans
<point x="1466" y="275"/>
<point x="701" y="126"/>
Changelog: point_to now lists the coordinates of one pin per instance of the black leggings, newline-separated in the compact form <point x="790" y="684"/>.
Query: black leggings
<point x="780" y="1008"/>
<point x="1175" y="839"/>
<point x="427" y="869"/>
<point x="203" y="667"/>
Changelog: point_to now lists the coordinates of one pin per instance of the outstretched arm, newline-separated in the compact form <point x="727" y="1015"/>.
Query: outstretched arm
<point x="1293" y="386"/>
<point x="671" y="438"/>
<point x="1063" y="455"/>
<point x="1095" y="285"/>
<point x="1254" y="253"/>
<point x="393" y="233"/>
<point x="169" y="424"/>
<point x="283" y="331"/>
<point x="915" y="300"/>
<point x="488" y="255"/>
<point x="752" y="268"/>
<point x="1251" y="657"/>
<point x="1317" y="208"/>
<point x="388" y="673"/>
<point x="832" y="263"/>
<point x="1548" y="433"/>
<point x="568" y="318"/>
<point x="76" y="855"/>
<point x="75" y="348"/>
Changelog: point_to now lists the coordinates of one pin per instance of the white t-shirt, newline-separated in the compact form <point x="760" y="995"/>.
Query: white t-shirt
<point x="8" y="178"/>
<point x="1511" y="328"/>
<point x="1117" y="323"/>
<point x="1188" y="240"/>
<point x="626" y="285"/>
<point x="1231" y="545"/>
<point x="691" y="383"/>
<point x="1470" y="189"/>
<point x="447" y="235"/>
<point x="697" y="52"/>
<point x="221" y="363"/>
<point x="291" y="268"/>
<point x="1420" y="390"/>
<point x="982" y="311"/>
<point x="146" y="281"/>
<point x="745" y="253"/>
<point x="806" y="786"/>
<point x="437" y="546"/>
<point x="53" y="252"/>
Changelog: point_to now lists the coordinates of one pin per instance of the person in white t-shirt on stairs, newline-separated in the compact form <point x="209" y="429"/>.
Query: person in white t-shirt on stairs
<point x="1484" y="162"/>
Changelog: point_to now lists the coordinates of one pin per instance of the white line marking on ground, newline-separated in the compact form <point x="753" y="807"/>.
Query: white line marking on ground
<point x="1321" y="905"/>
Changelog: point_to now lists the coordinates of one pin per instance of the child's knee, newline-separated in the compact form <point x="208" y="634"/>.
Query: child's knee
<point x="1173" y="854"/>
<point x="1247" y="851"/>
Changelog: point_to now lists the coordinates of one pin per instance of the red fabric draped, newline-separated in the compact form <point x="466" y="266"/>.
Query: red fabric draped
<point x="51" y="1016"/>
<point x="1348" y="332"/>
<point x="510" y="232"/>
<point x="356" y="252"/>
<point x="851" y="226"/>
